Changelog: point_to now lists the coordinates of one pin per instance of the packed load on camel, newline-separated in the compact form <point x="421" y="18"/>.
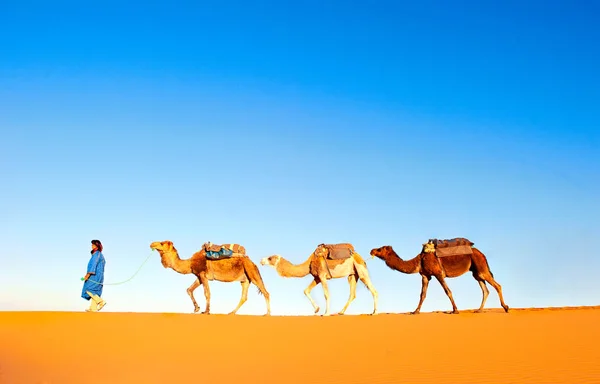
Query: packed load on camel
<point x="338" y="251"/>
<point x="223" y="251"/>
<point x="449" y="247"/>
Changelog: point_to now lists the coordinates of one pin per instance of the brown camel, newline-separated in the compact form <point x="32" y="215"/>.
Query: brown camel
<point x="427" y="264"/>
<point x="231" y="269"/>
<point x="323" y="269"/>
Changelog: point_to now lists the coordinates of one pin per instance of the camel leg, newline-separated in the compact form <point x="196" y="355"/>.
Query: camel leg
<point x="424" y="285"/>
<point x="326" y="293"/>
<point x="352" y="282"/>
<point x="204" y="282"/>
<point x="244" y="298"/>
<point x="448" y="292"/>
<point x="373" y="291"/>
<point x="498" y="289"/>
<point x="256" y="279"/>
<point x="263" y="290"/>
<point x="485" y="293"/>
<point x="364" y="277"/>
<point x="307" y="294"/>
<point x="190" y="292"/>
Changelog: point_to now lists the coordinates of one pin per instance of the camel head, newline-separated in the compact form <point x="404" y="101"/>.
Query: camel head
<point x="165" y="248"/>
<point x="271" y="260"/>
<point x="382" y="252"/>
<point x="162" y="246"/>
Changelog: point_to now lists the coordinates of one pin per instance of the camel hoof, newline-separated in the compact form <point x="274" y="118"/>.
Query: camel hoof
<point x="415" y="312"/>
<point x="205" y="313"/>
<point x="317" y="310"/>
<point x="231" y="313"/>
<point x="506" y="309"/>
<point x="455" y="312"/>
<point x="340" y="314"/>
<point x="479" y="310"/>
<point x="326" y="314"/>
<point x="196" y="309"/>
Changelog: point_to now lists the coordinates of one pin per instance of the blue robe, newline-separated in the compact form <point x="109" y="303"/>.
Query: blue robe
<point x="96" y="268"/>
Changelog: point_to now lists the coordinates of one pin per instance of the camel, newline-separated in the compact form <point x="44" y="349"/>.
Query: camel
<point x="323" y="269"/>
<point x="228" y="270"/>
<point x="428" y="265"/>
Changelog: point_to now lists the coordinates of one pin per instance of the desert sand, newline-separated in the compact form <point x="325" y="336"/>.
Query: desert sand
<point x="535" y="345"/>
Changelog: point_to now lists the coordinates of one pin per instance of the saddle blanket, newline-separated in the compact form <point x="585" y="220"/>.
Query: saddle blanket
<point x="339" y="251"/>
<point x="452" y="247"/>
<point x="223" y="251"/>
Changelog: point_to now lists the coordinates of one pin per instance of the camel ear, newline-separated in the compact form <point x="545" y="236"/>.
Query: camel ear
<point x="168" y="243"/>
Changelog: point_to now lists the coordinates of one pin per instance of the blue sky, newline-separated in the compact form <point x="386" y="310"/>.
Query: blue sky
<point x="280" y="126"/>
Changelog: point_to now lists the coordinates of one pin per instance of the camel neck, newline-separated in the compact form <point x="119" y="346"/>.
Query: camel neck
<point x="405" y="266"/>
<point x="172" y="260"/>
<point x="287" y="269"/>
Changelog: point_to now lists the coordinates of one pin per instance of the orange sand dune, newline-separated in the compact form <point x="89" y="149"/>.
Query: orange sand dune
<point x="538" y="345"/>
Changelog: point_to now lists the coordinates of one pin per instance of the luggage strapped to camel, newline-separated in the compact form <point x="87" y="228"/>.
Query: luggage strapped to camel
<point x="223" y="251"/>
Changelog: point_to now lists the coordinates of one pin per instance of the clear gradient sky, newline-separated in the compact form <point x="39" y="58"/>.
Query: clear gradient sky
<point x="282" y="125"/>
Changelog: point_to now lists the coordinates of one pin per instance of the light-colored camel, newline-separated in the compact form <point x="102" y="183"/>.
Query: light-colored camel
<point x="231" y="269"/>
<point x="323" y="269"/>
<point x="428" y="265"/>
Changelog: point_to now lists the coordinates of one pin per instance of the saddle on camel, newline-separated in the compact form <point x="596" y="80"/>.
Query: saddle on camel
<point x="451" y="247"/>
<point x="340" y="251"/>
<point x="223" y="251"/>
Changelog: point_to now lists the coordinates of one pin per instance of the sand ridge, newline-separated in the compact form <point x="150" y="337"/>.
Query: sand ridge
<point x="527" y="345"/>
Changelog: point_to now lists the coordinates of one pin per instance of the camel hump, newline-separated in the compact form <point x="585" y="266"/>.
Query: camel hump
<point x="223" y="251"/>
<point x="452" y="247"/>
<point x="338" y="251"/>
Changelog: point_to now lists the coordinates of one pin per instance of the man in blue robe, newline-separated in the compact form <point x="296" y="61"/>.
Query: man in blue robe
<point x="94" y="278"/>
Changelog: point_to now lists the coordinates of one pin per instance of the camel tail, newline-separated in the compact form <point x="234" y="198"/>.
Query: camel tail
<point x="486" y="262"/>
<point x="255" y="276"/>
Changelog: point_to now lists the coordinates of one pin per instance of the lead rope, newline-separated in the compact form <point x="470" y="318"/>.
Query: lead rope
<point x="124" y="281"/>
